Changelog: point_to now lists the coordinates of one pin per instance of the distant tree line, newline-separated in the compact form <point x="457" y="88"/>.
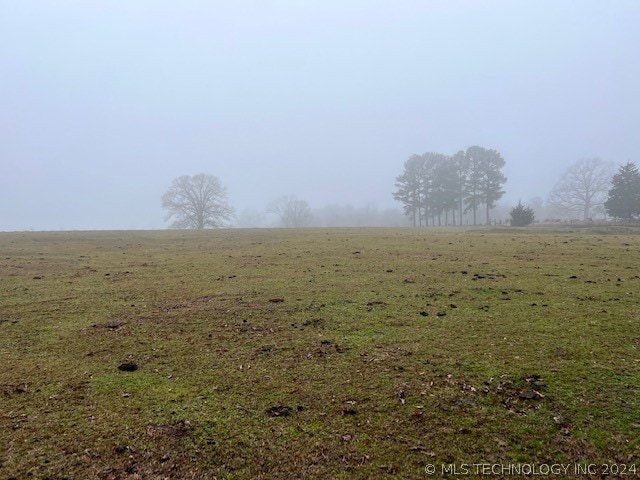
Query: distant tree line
<point x="435" y="188"/>
<point x="292" y="211"/>
<point x="200" y="202"/>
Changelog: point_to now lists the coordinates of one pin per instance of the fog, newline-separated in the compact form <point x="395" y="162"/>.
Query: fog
<point x="102" y="104"/>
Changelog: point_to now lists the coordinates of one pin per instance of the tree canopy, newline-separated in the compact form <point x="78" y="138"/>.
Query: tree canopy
<point x="624" y="196"/>
<point x="293" y="212"/>
<point x="433" y="185"/>
<point x="198" y="202"/>
<point x="582" y="188"/>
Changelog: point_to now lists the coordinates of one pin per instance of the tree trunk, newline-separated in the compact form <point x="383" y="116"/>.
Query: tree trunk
<point x="587" y="204"/>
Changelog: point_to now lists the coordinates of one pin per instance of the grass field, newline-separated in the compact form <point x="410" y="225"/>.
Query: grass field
<point x="350" y="353"/>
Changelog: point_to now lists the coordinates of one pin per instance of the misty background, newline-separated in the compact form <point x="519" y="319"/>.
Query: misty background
<point x="103" y="104"/>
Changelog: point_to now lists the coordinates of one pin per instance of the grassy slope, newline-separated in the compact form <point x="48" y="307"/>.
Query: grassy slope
<point x="391" y="349"/>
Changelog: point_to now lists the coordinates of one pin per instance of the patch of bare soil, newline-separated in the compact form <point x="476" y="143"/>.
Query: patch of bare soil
<point x="175" y="430"/>
<point x="518" y="396"/>
<point x="326" y="348"/>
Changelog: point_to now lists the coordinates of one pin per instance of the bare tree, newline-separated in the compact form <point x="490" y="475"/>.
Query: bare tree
<point x="250" y="218"/>
<point x="582" y="188"/>
<point x="293" y="212"/>
<point x="198" y="201"/>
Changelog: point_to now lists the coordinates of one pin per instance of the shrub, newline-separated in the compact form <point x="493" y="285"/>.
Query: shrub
<point x="521" y="215"/>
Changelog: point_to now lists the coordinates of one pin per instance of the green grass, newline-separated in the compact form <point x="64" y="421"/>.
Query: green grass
<point x="382" y="350"/>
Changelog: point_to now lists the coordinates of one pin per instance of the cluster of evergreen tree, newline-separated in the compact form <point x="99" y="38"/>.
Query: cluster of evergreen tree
<point x="623" y="201"/>
<point x="434" y="187"/>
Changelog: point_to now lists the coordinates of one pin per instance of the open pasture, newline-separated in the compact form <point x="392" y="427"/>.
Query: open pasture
<point x="347" y="353"/>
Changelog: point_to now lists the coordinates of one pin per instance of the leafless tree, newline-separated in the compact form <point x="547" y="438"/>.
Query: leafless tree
<point x="250" y="218"/>
<point x="582" y="188"/>
<point x="293" y="212"/>
<point x="198" y="201"/>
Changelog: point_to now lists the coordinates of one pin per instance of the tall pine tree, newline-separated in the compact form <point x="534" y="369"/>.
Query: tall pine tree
<point x="409" y="191"/>
<point x="624" y="196"/>
<point x="461" y="167"/>
<point x="493" y="179"/>
<point x="433" y="184"/>
<point x="472" y="192"/>
<point x="484" y="180"/>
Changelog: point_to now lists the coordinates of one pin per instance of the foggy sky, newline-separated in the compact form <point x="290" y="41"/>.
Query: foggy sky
<point x="103" y="103"/>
